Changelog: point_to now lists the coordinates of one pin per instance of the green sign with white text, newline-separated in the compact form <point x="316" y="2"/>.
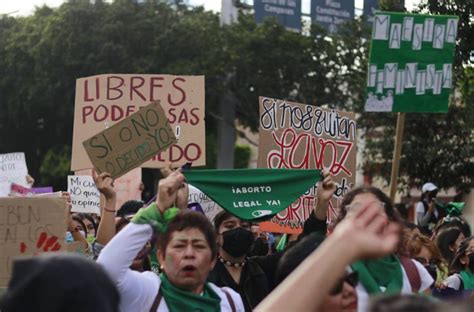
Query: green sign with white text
<point x="410" y="63"/>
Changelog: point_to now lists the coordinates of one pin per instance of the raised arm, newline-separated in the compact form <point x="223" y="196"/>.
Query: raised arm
<point x="361" y="235"/>
<point x="105" y="185"/>
<point x="326" y="189"/>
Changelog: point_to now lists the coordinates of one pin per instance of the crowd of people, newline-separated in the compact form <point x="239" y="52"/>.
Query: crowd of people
<point x="165" y="257"/>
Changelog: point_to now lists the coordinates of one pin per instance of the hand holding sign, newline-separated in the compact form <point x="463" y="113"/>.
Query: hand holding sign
<point x="131" y="142"/>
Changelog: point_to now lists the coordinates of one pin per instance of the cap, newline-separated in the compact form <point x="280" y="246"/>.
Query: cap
<point x="428" y="187"/>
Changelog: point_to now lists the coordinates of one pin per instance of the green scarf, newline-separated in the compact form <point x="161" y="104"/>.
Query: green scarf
<point x="253" y="194"/>
<point x="181" y="300"/>
<point x="385" y="272"/>
<point x="151" y="215"/>
<point x="467" y="279"/>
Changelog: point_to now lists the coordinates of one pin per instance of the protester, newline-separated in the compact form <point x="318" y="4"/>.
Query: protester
<point x="59" y="283"/>
<point x="462" y="267"/>
<point x="390" y="274"/>
<point x="427" y="214"/>
<point x="342" y="297"/>
<point x="365" y="233"/>
<point x="186" y="251"/>
<point x="419" y="247"/>
<point x="448" y="240"/>
<point x="251" y="277"/>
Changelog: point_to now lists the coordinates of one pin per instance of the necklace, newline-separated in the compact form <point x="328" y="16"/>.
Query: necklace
<point x="232" y="264"/>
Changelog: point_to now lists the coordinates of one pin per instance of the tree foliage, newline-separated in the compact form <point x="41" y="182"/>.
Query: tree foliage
<point x="42" y="55"/>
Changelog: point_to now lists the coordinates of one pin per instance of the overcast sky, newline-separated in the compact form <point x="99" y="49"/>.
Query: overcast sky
<point x="26" y="7"/>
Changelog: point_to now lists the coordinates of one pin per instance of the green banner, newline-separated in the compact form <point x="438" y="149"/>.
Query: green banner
<point x="410" y="63"/>
<point x="253" y="194"/>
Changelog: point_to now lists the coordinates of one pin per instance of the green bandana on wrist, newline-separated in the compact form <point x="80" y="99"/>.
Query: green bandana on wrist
<point x="253" y="194"/>
<point x="385" y="272"/>
<point x="151" y="215"/>
<point x="181" y="300"/>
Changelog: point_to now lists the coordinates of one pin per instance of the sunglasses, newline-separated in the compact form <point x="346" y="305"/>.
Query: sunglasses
<point x="351" y="279"/>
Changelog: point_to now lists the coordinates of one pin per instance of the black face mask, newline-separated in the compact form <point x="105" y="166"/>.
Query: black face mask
<point x="237" y="241"/>
<point x="471" y="263"/>
<point x="259" y="248"/>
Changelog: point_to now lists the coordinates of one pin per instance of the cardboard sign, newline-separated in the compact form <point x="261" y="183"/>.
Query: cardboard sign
<point x="131" y="142"/>
<point x="85" y="196"/>
<point x="127" y="187"/>
<point x="30" y="226"/>
<point x="410" y="63"/>
<point x="103" y="100"/>
<point x="198" y="201"/>
<point x="13" y="167"/>
<point x="299" y="136"/>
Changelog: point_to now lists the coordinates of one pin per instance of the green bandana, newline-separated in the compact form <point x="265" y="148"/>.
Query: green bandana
<point x="253" y="194"/>
<point x="181" y="300"/>
<point x="151" y="215"/>
<point x="384" y="272"/>
<point x="467" y="279"/>
<point x="453" y="209"/>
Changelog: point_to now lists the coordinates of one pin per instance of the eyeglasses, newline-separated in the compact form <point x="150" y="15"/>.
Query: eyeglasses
<point x="351" y="279"/>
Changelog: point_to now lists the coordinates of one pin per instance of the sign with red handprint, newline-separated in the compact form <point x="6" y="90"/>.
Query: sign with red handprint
<point x="29" y="227"/>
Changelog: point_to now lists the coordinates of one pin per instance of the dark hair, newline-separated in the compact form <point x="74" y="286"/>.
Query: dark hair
<point x="88" y="217"/>
<point x="456" y="265"/>
<point x="444" y="239"/>
<point x="130" y="207"/>
<point x="456" y="221"/>
<point x="34" y="280"/>
<point x="296" y="254"/>
<point x="81" y="223"/>
<point x="402" y="303"/>
<point x="220" y="218"/>
<point x="186" y="220"/>
<point x="392" y="214"/>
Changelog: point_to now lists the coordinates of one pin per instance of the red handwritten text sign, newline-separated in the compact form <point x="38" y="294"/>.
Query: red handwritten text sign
<point x="298" y="136"/>
<point x="103" y="100"/>
<point x="30" y="226"/>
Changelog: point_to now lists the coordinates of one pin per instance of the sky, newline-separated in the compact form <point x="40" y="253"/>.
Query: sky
<point x="26" y="7"/>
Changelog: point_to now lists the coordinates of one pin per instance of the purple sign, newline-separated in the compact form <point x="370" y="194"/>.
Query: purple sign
<point x="42" y="190"/>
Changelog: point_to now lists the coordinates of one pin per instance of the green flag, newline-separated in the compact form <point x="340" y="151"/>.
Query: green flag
<point x="253" y="194"/>
<point x="410" y="63"/>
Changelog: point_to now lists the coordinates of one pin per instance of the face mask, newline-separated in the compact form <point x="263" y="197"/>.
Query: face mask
<point x="90" y="238"/>
<point x="237" y="241"/>
<point x="471" y="263"/>
<point x="82" y="233"/>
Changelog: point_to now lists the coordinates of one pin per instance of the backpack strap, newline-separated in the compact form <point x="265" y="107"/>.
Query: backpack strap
<point x="412" y="273"/>
<point x="156" y="303"/>
<point x="231" y="301"/>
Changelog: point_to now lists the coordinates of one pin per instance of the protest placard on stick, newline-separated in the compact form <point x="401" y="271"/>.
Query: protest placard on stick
<point x="411" y="62"/>
<point x="85" y="196"/>
<point x="30" y="226"/>
<point x="104" y="100"/>
<point x="299" y="136"/>
<point x="131" y="142"/>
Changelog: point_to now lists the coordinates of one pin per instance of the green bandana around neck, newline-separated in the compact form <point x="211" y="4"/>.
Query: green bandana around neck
<point x="384" y="272"/>
<point x="253" y="194"/>
<point x="467" y="279"/>
<point x="181" y="300"/>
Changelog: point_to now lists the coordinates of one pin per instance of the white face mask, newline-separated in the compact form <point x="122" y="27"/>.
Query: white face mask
<point x="82" y="233"/>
